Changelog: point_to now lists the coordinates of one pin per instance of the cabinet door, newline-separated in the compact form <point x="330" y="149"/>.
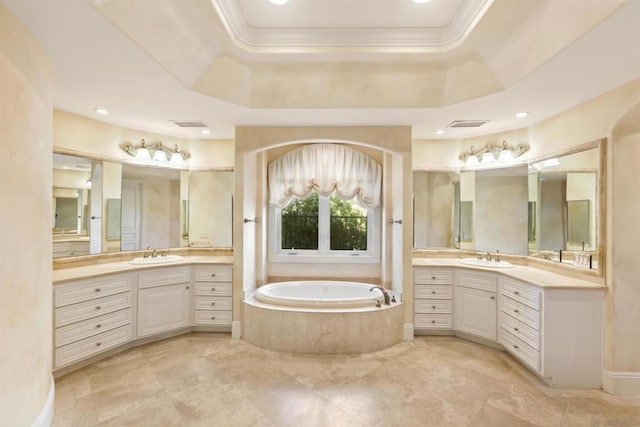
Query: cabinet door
<point x="476" y="312"/>
<point x="163" y="308"/>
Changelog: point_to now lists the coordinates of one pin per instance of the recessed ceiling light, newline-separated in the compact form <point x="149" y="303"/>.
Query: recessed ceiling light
<point x="522" y="114"/>
<point x="205" y="131"/>
<point x="101" y="111"/>
<point x="278" y="1"/>
<point x="439" y="132"/>
<point x="421" y="1"/>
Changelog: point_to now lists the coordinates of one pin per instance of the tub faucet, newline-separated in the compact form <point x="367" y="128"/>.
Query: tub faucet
<point x="387" y="301"/>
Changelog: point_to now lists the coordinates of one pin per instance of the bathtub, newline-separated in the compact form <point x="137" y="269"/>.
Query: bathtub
<point x="321" y="317"/>
<point x="319" y="294"/>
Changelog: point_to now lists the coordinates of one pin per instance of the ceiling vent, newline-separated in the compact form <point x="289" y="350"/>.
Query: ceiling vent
<point x="190" y="123"/>
<point x="467" y="123"/>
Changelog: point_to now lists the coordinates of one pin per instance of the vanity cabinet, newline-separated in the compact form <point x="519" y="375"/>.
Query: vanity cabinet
<point x="475" y="298"/>
<point x="212" y="302"/>
<point x="91" y="316"/>
<point x="433" y="305"/>
<point x="164" y="297"/>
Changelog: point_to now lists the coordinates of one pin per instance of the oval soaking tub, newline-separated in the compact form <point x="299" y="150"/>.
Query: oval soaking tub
<point x="321" y="317"/>
<point x="319" y="294"/>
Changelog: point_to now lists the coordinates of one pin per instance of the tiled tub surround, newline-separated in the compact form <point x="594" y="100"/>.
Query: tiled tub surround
<point x="322" y="331"/>
<point x="549" y="322"/>
<point x="105" y="308"/>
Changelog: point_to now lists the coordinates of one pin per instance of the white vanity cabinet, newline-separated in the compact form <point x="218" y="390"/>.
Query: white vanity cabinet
<point x="557" y="332"/>
<point x="475" y="297"/>
<point x="164" y="297"/>
<point x="91" y="316"/>
<point x="433" y="304"/>
<point x="212" y="302"/>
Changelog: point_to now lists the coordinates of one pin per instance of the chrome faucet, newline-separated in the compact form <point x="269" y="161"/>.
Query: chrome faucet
<point x="488" y="256"/>
<point x="387" y="301"/>
<point x="154" y="253"/>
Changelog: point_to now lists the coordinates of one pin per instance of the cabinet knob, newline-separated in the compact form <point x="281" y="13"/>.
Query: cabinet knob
<point x="213" y="274"/>
<point x="213" y="303"/>
<point x="213" y="317"/>
<point x="98" y="307"/>
<point x="97" y="289"/>
<point x="493" y="297"/>
<point x="516" y="292"/>
<point x="187" y="287"/>
<point x="516" y="329"/>
<point x="516" y="311"/>
<point x="433" y="321"/>
<point x="433" y="306"/>
<point x="98" y="344"/>
<point x="433" y="277"/>
<point x="213" y="289"/>
<point x="98" y="325"/>
<point x="433" y="292"/>
<point x="515" y="346"/>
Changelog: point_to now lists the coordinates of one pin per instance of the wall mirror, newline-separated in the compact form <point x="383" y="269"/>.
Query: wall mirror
<point x="564" y="191"/>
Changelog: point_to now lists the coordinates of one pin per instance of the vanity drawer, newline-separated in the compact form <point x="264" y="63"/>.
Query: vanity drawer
<point x="163" y="277"/>
<point x="213" y="317"/>
<point x="527" y="354"/>
<point x="433" y="321"/>
<point x="485" y="282"/>
<point x="213" y="289"/>
<point x="214" y="273"/>
<point x="81" y="330"/>
<point x="87" y="310"/>
<point x="521" y="292"/>
<point x="432" y="276"/>
<point x="432" y="306"/>
<point x="213" y="303"/>
<point x="93" y="345"/>
<point x="433" y="292"/>
<point x="521" y="312"/>
<point x="521" y="330"/>
<point x="86" y="290"/>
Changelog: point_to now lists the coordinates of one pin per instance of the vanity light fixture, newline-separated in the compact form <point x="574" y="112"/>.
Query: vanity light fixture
<point x="156" y="152"/>
<point x="493" y="153"/>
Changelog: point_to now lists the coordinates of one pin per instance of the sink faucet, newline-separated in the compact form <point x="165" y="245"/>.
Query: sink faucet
<point x="154" y="253"/>
<point x="488" y="256"/>
<point x="384" y="293"/>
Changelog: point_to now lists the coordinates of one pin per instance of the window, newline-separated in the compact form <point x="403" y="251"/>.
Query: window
<point x="324" y="227"/>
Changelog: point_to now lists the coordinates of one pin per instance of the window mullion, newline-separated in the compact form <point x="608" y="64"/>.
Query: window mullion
<point x="323" y="225"/>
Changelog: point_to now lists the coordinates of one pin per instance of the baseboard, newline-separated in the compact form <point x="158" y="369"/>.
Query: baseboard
<point x="407" y="332"/>
<point x="45" y="418"/>
<point x="621" y="383"/>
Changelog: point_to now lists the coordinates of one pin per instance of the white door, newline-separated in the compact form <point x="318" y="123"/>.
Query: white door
<point x="476" y="312"/>
<point x="163" y="308"/>
<point x="131" y="215"/>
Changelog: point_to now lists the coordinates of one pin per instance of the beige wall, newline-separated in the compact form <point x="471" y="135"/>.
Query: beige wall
<point x="622" y="339"/>
<point x="25" y="224"/>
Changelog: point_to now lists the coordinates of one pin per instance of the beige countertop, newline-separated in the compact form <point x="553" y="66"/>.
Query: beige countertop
<point x="535" y="276"/>
<point x="99" y="269"/>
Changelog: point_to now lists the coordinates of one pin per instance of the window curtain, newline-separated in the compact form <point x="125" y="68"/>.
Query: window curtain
<point x="325" y="168"/>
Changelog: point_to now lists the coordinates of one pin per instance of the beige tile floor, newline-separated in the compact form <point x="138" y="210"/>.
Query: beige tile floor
<point x="210" y="380"/>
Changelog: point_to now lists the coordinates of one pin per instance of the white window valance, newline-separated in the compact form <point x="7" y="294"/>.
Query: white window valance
<point x="325" y="168"/>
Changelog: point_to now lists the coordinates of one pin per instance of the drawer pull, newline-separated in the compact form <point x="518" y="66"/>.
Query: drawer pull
<point x="493" y="297"/>
<point x="187" y="287"/>
<point x="213" y="317"/>
<point x="98" y="344"/>
<point x="515" y="346"/>
<point x="97" y="289"/>
<point x="516" y="292"/>
<point x="98" y="307"/>
<point x="213" y="274"/>
<point x="433" y="306"/>
<point x="98" y="325"/>
<point x="213" y="289"/>
<point x="516" y="311"/>
<point x="213" y="303"/>
<point x="516" y="329"/>
<point x="433" y="292"/>
<point x="433" y="277"/>
<point x="433" y="321"/>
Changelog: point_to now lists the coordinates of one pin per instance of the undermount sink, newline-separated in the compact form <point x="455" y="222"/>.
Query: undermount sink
<point x="156" y="260"/>
<point x="485" y="263"/>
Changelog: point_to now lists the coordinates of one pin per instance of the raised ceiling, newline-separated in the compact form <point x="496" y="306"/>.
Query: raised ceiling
<point x="307" y="26"/>
<point x="150" y="62"/>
